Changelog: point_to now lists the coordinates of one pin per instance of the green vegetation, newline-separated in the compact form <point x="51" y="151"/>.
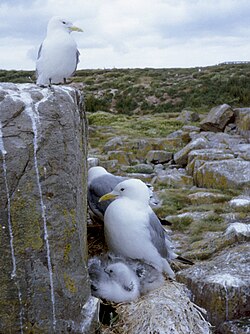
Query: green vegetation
<point x="144" y="91"/>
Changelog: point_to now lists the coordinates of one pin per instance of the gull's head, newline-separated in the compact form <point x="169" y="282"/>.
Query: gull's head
<point x="133" y="189"/>
<point x="95" y="172"/>
<point x="58" y="23"/>
<point x="118" y="271"/>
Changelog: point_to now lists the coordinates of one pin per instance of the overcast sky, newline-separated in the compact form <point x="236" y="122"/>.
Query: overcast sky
<point x="130" y="33"/>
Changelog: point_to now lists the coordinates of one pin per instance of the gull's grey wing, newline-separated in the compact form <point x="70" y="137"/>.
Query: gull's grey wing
<point x="39" y="51"/>
<point x="38" y="56"/>
<point x="77" y="61"/>
<point x="159" y="237"/>
<point x="99" y="187"/>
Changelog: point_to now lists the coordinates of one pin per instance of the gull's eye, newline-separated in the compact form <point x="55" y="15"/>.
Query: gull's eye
<point x="122" y="189"/>
<point x="111" y="271"/>
<point x="63" y="22"/>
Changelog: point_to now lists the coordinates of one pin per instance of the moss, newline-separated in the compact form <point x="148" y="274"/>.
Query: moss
<point x="181" y="224"/>
<point x="173" y="201"/>
<point x="67" y="249"/>
<point x="134" y="126"/>
<point x="212" y="223"/>
<point x="69" y="283"/>
<point x="26" y="222"/>
<point x="68" y="233"/>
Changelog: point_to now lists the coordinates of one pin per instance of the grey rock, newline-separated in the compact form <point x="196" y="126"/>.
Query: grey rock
<point x="242" y="151"/>
<point x="191" y="128"/>
<point x="158" y="156"/>
<point x="175" y="134"/>
<point x="140" y="168"/>
<point x="220" y="140"/>
<point x="206" y="197"/>
<point x="174" y="178"/>
<point x="223" y="174"/>
<point x="181" y="157"/>
<point x="44" y="282"/>
<point x="217" y="118"/>
<point x="240" y="326"/>
<point x="113" y="144"/>
<point x="93" y="162"/>
<point x="240" y="203"/>
<point x="242" y="121"/>
<point x="237" y="231"/>
<point x="221" y="285"/>
<point x="188" y="116"/>
<point x="122" y="157"/>
<point x="197" y="157"/>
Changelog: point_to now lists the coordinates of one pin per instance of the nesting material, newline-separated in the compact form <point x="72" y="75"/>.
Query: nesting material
<point x="165" y="310"/>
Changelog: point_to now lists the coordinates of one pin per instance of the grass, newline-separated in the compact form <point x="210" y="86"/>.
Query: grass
<point x="135" y="126"/>
<point x="126" y="91"/>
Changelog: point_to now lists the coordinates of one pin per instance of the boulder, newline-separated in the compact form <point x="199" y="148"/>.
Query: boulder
<point x="240" y="203"/>
<point x="93" y="162"/>
<point x="191" y="128"/>
<point x="181" y="157"/>
<point x="242" y="121"/>
<point x="242" y="151"/>
<point x="197" y="157"/>
<point x="221" y="285"/>
<point x="114" y="144"/>
<point x="188" y="116"/>
<point x="123" y="158"/>
<point x="220" y="140"/>
<point x="158" y="156"/>
<point x="205" y="197"/>
<point x="217" y="118"/>
<point x="44" y="280"/>
<point x="174" y="178"/>
<point x="223" y="174"/>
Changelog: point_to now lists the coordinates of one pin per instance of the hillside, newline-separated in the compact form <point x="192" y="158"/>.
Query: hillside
<point x="144" y="91"/>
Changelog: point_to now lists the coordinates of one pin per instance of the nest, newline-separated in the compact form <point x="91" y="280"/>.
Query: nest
<point x="164" y="310"/>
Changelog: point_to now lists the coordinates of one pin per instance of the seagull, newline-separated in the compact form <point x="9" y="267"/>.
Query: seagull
<point x="133" y="230"/>
<point x="115" y="282"/>
<point x="100" y="182"/>
<point x="58" y="55"/>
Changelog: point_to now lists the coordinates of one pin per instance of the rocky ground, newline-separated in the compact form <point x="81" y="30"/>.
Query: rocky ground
<point x="199" y="166"/>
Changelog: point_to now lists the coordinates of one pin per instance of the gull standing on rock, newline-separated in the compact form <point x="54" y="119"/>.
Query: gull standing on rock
<point x="58" y="55"/>
<point x="133" y="230"/>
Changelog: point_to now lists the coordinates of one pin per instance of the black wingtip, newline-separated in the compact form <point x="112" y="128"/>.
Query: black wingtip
<point x="165" y="222"/>
<point x="185" y="261"/>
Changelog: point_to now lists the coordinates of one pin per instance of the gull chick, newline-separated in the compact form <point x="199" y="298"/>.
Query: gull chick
<point x="58" y="55"/>
<point x="114" y="282"/>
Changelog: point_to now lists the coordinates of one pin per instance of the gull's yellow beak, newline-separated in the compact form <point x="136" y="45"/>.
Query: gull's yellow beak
<point x="74" y="28"/>
<point x="107" y="196"/>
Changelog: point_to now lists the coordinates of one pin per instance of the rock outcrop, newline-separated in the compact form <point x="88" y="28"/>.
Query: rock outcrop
<point x="44" y="280"/>
<point x="221" y="285"/>
<point x="217" y="118"/>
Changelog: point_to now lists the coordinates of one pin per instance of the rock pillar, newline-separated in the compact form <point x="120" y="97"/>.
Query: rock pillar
<point x="43" y="278"/>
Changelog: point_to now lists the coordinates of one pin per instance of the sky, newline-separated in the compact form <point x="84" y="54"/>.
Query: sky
<point x="130" y="33"/>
